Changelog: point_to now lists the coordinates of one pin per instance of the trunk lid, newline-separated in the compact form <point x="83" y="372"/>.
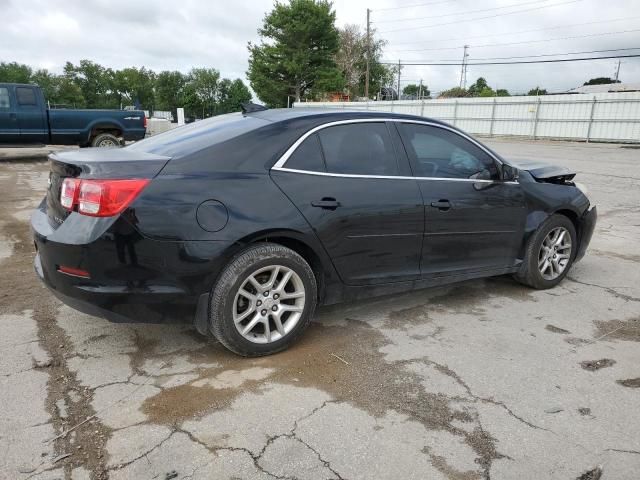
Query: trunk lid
<point x="98" y="163"/>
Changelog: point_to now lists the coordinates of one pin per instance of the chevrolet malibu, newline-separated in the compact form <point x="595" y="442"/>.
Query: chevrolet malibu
<point x="244" y="223"/>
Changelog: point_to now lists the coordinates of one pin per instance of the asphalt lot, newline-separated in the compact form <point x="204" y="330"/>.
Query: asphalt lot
<point x="485" y="379"/>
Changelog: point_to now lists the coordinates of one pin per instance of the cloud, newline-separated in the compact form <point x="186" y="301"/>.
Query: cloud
<point x="179" y="35"/>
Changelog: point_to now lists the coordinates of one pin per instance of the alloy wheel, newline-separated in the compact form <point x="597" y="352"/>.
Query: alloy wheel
<point x="269" y="304"/>
<point x="555" y="253"/>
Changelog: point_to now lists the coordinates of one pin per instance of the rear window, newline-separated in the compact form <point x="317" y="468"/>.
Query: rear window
<point x="26" y="97"/>
<point x="196" y="136"/>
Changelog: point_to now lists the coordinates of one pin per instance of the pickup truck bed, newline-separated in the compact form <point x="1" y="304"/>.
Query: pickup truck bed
<point x="25" y="119"/>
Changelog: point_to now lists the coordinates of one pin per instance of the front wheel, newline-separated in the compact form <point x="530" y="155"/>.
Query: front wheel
<point x="263" y="300"/>
<point x="549" y="254"/>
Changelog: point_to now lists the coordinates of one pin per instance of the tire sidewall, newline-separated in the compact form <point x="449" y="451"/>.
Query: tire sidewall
<point x="96" y="141"/>
<point x="551" y="223"/>
<point x="224" y="293"/>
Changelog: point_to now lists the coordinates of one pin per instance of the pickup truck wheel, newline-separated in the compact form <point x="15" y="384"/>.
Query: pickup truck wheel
<point x="105" y="140"/>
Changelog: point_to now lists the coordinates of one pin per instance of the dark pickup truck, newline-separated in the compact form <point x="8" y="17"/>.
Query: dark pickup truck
<point x="25" y="119"/>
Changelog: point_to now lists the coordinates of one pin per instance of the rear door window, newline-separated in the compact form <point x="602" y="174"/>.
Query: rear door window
<point x="359" y="149"/>
<point x="26" y="97"/>
<point x="307" y="156"/>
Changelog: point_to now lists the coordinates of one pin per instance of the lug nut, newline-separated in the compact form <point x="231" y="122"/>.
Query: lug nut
<point x="276" y="296"/>
<point x="266" y="294"/>
<point x="259" y="302"/>
<point x="263" y="312"/>
<point x="274" y="308"/>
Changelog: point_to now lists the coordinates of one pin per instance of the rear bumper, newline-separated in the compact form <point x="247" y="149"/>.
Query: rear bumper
<point x="587" y="226"/>
<point x="133" y="279"/>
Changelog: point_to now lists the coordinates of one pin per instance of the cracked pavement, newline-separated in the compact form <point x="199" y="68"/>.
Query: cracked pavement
<point x="484" y="379"/>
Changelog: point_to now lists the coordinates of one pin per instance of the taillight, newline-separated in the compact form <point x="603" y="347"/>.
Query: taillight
<point x="69" y="192"/>
<point x="103" y="198"/>
<point x="145" y="121"/>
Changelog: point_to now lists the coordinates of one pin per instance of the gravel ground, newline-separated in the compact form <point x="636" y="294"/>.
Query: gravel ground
<point x="484" y="379"/>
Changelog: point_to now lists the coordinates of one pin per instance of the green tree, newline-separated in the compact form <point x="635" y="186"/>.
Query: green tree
<point x="232" y="94"/>
<point x="297" y="52"/>
<point x="455" y="92"/>
<point x="601" y="81"/>
<point x="480" y="85"/>
<point x="537" y="91"/>
<point x="96" y="83"/>
<point x="169" y="91"/>
<point x="203" y="89"/>
<point x="133" y="86"/>
<point x="15" y="72"/>
<point x="502" y="92"/>
<point x="415" y="90"/>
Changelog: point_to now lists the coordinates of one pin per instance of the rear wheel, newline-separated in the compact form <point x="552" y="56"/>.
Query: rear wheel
<point x="549" y="253"/>
<point x="263" y="300"/>
<point x="105" y="140"/>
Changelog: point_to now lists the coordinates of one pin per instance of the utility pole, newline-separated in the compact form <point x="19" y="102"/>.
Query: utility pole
<point x="420" y="90"/>
<point x="366" y="81"/>
<point x="399" y="68"/>
<point x="618" y="71"/>
<point x="463" y="71"/>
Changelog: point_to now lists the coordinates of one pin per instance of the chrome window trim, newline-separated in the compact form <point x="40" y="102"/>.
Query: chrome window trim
<point x="389" y="177"/>
<point x="279" y="165"/>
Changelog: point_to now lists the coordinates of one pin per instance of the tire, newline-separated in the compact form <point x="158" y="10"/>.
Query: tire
<point x="104" y="140"/>
<point x="534" y="261"/>
<point x="229" y="307"/>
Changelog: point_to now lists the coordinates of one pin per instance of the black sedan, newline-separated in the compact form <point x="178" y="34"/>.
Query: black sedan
<point x="246" y="222"/>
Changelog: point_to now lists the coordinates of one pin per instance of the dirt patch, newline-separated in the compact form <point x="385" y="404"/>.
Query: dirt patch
<point x="554" y="329"/>
<point x="21" y="291"/>
<point x="316" y="361"/>
<point x="593" y="474"/>
<point x="584" y="411"/>
<point x="630" y="382"/>
<point x="593" y="365"/>
<point x="619" y="329"/>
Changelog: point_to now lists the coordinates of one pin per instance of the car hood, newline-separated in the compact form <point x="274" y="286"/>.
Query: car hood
<point x="544" y="171"/>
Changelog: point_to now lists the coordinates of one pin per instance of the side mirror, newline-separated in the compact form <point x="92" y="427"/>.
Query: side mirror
<point x="509" y="173"/>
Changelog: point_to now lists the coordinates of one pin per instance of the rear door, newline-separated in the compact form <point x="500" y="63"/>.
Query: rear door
<point x="31" y="116"/>
<point x="9" y="129"/>
<point x="473" y="221"/>
<point x="347" y="181"/>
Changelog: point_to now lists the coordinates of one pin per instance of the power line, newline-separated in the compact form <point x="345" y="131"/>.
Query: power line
<point x="558" y="54"/>
<point x="518" y="43"/>
<point x="518" y="32"/>
<point x="461" y="13"/>
<point x="412" y="6"/>
<point x="514" y="63"/>
<point x="480" y="18"/>
<point x="534" y="56"/>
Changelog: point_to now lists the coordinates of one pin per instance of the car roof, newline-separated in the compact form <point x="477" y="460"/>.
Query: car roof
<point x="284" y="114"/>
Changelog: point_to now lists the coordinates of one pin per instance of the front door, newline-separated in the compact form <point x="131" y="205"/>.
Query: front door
<point x="370" y="223"/>
<point x="9" y="129"/>
<point x="473" y="220"/>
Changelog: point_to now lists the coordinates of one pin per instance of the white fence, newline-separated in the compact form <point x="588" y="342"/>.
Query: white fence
<point x="605" y="117"/>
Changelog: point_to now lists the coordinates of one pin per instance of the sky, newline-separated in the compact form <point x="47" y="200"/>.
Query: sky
<point x="179" y="35"/>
